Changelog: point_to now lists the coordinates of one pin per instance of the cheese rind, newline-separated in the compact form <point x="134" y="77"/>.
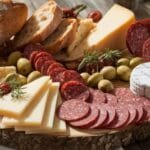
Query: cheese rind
<point x="15" y="108"/>
<point x="140" y="80"/>
<point x="35" y="115"/>
<point x="110" y="32"/>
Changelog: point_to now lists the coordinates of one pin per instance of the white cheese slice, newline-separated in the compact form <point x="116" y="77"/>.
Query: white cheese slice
<point x="34" y="115"/>
<point x="140" y="80"/>
<point x="110" y="32"/>
<point x="15" y="108"/>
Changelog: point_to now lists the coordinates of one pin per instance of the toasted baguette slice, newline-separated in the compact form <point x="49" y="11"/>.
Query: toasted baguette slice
<point x="62" y="37"/>
<point x="84" y="27"/>
<point x="40" y="25"/>
<point x="12" y="18"/>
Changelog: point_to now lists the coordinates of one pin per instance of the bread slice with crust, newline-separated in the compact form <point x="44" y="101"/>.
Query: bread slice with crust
<point x="12" y="18"/>
<point x="62" y="37"/>
<point x="40" y="25"/>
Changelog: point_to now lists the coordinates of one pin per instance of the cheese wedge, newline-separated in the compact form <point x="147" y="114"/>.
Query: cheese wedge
<point x="15" y="108"/>
<point x="34" y="115"/>
<point x="110" y="32"/>
<point x="59" y="126"/>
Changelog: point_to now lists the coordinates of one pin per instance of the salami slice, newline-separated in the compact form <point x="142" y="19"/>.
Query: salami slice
<point x="101" y="119"/>
<point x="43" y="54"/>
<point x="73" y="110"/>
<point x="146" y="50"/>
<point x="32" y="47"/>
<point x="136" y="36"/>
<point x="145" y="22"/>
<point x="70" y="75"/>
<point x="121" y="119"/>
<point x="46" y="65"/>
<point x="87" y="121"/>
<point x="111" y="99"/>
<point x="75" y="89"/>
<point x="39" y="62"/>
<point x="97" y="97"/>
<point x="32" y="57"/>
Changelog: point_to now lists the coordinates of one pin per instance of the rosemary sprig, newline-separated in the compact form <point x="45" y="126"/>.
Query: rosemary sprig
<point x="18" y="93"/>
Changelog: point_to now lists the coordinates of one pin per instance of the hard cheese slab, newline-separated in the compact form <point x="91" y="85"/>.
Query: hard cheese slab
<point x="15" y="108"/>
<point x="34" y="115"/>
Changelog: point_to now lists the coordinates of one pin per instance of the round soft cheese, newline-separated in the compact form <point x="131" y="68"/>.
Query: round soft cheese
<point x="140" y="80"/>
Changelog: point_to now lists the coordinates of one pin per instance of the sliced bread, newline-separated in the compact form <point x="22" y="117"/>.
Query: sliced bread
<point x="12" y="18"/>
<point x="40" y="25"/>
<point x="62" y="37"/>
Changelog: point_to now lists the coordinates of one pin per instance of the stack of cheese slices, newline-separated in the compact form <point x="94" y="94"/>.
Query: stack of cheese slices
<point x="35" y="111"/>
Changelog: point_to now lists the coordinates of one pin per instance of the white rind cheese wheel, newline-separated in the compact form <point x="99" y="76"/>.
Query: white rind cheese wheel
<point x="140" y="80"/>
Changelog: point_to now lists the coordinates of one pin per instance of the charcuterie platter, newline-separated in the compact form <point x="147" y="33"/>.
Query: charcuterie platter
<point x="66" y="76"/>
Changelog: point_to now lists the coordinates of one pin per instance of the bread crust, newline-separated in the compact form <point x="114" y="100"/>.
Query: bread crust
<point x="62" y="37"/>
<point x="12" y="18"/>
<point x="32" y="32"/>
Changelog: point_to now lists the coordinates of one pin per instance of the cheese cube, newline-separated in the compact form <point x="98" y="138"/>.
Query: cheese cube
<point x="15" y="108"/>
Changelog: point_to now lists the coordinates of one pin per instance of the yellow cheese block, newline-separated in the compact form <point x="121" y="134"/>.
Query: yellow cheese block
<point x="34" y="115"/>
<point x="15" y="108"/>
<point x="110" y="32"/>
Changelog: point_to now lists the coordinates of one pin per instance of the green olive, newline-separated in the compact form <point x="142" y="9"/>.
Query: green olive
<point x="85" y="76"/>
<point x="124" y="72"/>
<point x="13" y="58"/>
<point x="33" y="75"/>
<point x="22" y="79"/>
<point x="24" y="66"/>
<point x="94" y="79"/>
<point x="123" y="61"/>
<point x="105" y="85"/>
<point x="135" y="62"/>
<point x="108" y="72"/>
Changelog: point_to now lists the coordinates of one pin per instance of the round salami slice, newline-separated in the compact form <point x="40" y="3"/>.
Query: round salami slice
<point x="32" y="57"/>
<point x="145" y="22"/>
<point x="87" y="121"/>
<point x="121" y="119"/>
<point x="111" y="115"/>
<point x="146" y="50"/>
<point x="97" y="97"/>
<point x="54" y="74"/>
<point x="46" y="65"/>
<point x="39" y="62"/>
<point x="43" y="54"/>
<point x="70" y="75"/>
<point x="53" y="66"/>
<point x="73" y="110"/>
<point x="101" y="119"/>
<point x="32" y="47"/>
<point x="124" y="94"/>
<point x="75" y="89"/>
<point x="136" y="36"/>
<point x="110" y="98"/>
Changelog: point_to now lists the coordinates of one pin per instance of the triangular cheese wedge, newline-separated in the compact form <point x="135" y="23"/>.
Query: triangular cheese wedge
<point x="15" y="108"/>
<point x="35" y="115"/>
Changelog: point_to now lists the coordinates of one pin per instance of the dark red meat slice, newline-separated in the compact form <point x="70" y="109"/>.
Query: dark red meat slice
<point x="46" y="66"/>
<point x="145" y="22"/>
<point x="124" y="94"/>
<point x="73" y="110"/>
<point x="111" y="115"/>
<point x="136" y="36"/>
<point x="54" y="74"/>
<point x="110" y="98"/>
<point x="39" y="62"/>
<point x="122" y="117"/>
<point x="32" y="57"/>
<point x="32" y="47"/>
<point x="53" y="66"/>
<point x="101" y="119"/>
<point x="75" y="89"/>
<point x="70" y="75"/>
<point x="43" y="54"/>
<point x="146" y="50"/>
<point x="97" y="97"/>
<point x="88" y="120"/>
